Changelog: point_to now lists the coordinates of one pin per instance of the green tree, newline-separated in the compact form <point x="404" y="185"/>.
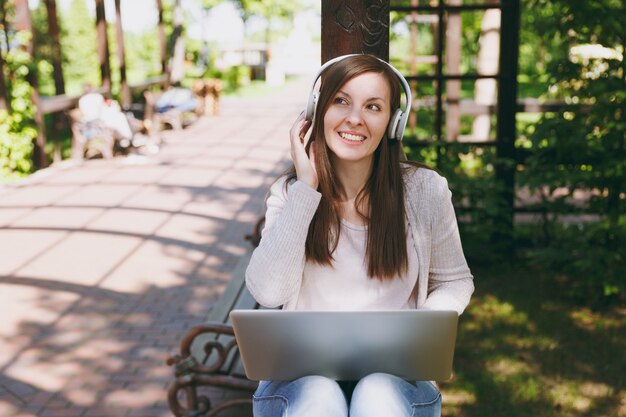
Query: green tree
<point x="42" y="50"/>
<point x="142" y="55"/>
<point x="80" y="56"/>
<point x="582" y="150"/>
<point x="17" y="129"/>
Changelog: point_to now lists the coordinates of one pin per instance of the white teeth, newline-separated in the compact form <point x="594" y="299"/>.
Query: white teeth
<point x="355" y="138"/>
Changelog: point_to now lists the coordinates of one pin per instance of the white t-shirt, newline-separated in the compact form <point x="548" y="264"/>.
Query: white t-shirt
<point x="346" y="286"/>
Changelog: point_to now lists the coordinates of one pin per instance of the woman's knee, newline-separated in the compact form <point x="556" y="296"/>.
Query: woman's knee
<point x="307" y="396"/>
<point x="427" y="400"/>
<point x="383" y="394"/>
<point x="321" y="388"/>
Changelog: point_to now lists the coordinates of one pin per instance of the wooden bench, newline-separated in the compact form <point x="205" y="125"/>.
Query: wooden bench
<point x="173" y="117"/>
<point x="209" y="357"/>
<point x="90" y="138"/>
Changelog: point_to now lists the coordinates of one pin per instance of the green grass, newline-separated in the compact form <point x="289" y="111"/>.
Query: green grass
<point x="525" y="349"/>
<point x="258" y="88"/>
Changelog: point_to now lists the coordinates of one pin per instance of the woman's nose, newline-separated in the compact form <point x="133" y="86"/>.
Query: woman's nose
<point x="354" y="116"/>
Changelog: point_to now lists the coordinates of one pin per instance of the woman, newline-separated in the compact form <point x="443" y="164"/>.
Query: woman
<point x="352" y="227"/>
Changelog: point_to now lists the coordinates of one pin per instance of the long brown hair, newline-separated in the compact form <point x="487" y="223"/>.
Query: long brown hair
<point x="383" y="193"/>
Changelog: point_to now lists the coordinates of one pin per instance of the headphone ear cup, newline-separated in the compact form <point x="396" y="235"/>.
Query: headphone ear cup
<point x="395" y="129"/>
<point x="310" y="106"/>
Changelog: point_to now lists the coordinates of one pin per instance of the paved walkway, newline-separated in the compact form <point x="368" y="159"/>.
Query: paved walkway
<point x="104" y="265"/>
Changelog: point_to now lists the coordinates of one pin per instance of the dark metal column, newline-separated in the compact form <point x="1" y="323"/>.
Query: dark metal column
<point x="355" y="26"/>
<point x="506" y="132"/>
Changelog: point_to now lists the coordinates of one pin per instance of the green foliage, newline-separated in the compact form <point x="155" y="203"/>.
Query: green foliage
<point x="16" y="145"/>
<point x="576" y="160"/>
<point x="42" y="50"/>
<point x="572" y="162"/>
<point x="143" y="58"/>
<point x="470" y="171"/>
<point x="17" y="130"/>
<point x="523" y="349"/>
<point x="79" y="48"/>
<point x="233" y="78"/>
<point x="589" y="258"/>
<point x="271" y="8"/>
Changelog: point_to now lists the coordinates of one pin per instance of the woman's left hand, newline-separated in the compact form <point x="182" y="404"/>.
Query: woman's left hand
<point x="304" y="164"/>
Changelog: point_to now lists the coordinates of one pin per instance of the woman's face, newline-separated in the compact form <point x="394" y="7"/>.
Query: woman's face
<point x="357" y="118"/>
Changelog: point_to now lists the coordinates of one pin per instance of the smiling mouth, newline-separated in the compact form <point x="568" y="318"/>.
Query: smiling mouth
<point x="352" y="138"/>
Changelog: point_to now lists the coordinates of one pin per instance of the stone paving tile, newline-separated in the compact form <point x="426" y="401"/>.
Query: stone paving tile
<point x="82" y="257"/>
<point x="129" y="220"/>
<point x="106" y="264"/>
<point x="64" y="217"/>
<point x="10" y="214"/>
<point x="35" y="195"/>
<point x="21" y="246"/>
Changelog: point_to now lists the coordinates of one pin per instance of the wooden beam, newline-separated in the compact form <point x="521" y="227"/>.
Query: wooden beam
<point x="103" y="45"/>
<point x="452" y="46"/>
<point x="63" y="102"/>
<point x="121" y="55"/>
<point x="355" y="26"/>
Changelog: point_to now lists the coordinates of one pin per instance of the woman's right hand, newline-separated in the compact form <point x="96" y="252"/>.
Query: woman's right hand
<point x="304" y="164"/>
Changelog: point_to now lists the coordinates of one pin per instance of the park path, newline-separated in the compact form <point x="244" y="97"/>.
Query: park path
<point x="105" y="265"/>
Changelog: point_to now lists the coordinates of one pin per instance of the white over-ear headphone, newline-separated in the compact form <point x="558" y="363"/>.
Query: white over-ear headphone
<point x="398" y="121"/>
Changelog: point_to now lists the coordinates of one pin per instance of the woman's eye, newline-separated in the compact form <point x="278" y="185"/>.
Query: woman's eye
<point x="374" y="107"/>
<point x="341" y="100"/>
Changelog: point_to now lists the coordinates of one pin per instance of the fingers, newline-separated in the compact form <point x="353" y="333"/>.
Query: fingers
<point x="303" y="162"/>
<point x="304" y="129"/>
<point x="312" y="156"/>
<point x="299" y="129"/>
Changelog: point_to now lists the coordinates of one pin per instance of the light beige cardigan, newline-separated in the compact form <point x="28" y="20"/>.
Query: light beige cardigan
<point x="444" y="281"/>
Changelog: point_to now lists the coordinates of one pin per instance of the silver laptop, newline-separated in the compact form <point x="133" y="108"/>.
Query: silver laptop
<point x="285" y="345"/>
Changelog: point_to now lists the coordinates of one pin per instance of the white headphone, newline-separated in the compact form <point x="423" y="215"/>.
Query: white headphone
<point x="398" y="121"/>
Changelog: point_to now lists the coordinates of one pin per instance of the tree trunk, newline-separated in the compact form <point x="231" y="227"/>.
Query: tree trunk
<point x="23" y="22"/>
<point x="103" y="45"/>
<point x="125" y="90"/>
<point x="53" y="31"/>
<point x="5" y="103"/>
<point x="4" y="100"/>
<point x="162" y="40"/>
<point x="176" y="72"/>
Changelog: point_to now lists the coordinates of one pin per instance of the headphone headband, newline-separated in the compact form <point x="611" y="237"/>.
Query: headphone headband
<point x="398" y="121"/>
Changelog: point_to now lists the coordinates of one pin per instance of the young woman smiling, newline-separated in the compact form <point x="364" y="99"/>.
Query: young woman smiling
<point x="352" y="227"/>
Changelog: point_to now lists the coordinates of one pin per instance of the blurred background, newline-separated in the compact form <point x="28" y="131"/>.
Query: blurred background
<point x="541" y="197"/>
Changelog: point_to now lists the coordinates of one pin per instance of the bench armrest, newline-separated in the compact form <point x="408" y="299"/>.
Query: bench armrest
<point x="185" y="362"/>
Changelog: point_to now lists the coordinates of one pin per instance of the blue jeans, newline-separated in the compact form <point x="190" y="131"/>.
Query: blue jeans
<point x="376" y="395"/>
